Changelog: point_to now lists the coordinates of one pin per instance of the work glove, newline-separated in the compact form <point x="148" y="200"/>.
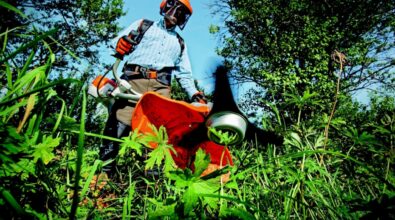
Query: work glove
<point x="124" y="46"/>
<point x="199" y="97"/>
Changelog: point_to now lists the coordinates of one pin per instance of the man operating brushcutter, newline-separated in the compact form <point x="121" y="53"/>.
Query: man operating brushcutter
<point x="156" y="52"/>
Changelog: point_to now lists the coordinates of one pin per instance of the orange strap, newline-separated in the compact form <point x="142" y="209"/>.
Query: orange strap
<point x="152" y="74"/>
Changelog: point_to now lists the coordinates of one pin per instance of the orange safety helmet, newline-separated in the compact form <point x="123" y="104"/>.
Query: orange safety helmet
<point x="180" y="9"/>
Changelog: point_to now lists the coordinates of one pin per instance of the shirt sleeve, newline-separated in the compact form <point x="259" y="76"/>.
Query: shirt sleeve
<point x="134" y="26"/>
<point x="183" y="74"/>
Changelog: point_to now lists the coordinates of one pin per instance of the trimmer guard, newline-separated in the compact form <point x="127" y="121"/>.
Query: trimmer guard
<point x="180" y="119"/>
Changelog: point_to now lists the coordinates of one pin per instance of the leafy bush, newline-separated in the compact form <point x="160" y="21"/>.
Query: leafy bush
<point x="49" y="167"/>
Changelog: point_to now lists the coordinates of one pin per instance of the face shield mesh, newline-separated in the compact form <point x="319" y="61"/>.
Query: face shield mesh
<point x="177" y="10"/>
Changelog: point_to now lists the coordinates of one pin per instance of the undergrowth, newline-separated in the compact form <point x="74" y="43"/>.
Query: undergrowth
<point x="49" y="166"/>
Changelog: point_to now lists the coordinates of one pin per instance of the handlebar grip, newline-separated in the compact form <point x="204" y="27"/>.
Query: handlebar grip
<point x="129" y="40"/>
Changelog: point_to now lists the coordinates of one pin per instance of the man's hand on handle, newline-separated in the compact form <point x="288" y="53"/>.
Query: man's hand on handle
<point x="199" y="97"/>
<point x="124" y="46"/>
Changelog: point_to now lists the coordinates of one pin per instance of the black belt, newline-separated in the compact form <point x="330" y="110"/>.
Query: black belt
<point x="139" y="72"/>
<point x="132" y="71"/>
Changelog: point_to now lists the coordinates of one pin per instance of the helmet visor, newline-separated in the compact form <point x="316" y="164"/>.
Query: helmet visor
<point x="179" y="12"/>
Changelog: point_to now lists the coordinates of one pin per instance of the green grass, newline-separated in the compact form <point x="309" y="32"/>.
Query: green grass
<point x="49" y="157"/>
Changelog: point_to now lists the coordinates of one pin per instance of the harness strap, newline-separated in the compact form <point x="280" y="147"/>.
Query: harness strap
<point x="144" y="26"/>
<point x="164" y="75"/>
<point x="182" y="43"/>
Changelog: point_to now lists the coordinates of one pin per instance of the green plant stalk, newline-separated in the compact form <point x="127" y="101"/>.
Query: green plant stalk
<point x="233" y="199"/>
<point x="127" y="202"/>
<point x="299" y="116"/>
<point x="67" y="50"/>
<point x="29" y="45"/>
<point x="12" y="8"/>
<point x="96" y="135"/>
<point x="289" y="200"/>
<point x="12" y="201"/>
<point x="80" y="152"/>
<point x="76" y="99"/>
<point x="341" y="61"/>
<point x="59" y="119"/>
<point x="125" y="209"/>
<point x="131" y="194"/>
<point x="8" y="76"/>
<point x="27" y="64"/>
<point x="277" y="113"/>
<point x="67" y="175"/>
<point x="89" y="179"/>
<point x="386" y="174"/>
<point x="221" y="178"/>
<point x="145" y="214"/>
<point x="62" y="81"/>
<point x="5" y="40"/>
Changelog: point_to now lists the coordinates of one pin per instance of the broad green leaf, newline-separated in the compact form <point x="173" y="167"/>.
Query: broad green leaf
<point x="190" y="198"/>
<point x="202" y="160"/>
<point x="194" y="185"/>
<point x="23" y="168"/>
<point x="161" y="151"/>
<point x="156" y="156"/>
<point x="44" y="150"/>
<point x="182" y="178"/>
<point x="161" y="209"/>
<point x="134" y="142"/>
<point x="229" y="213"/>
<point x="207" y="187"/>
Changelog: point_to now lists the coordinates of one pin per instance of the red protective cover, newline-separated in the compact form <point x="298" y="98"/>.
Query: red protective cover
<point x="180" y="119"/>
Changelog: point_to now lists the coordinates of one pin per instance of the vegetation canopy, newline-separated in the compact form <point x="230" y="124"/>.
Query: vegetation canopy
<point x="336" y="160"/>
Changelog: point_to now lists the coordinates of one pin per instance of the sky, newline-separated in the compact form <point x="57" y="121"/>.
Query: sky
<point x="201" y="44"/>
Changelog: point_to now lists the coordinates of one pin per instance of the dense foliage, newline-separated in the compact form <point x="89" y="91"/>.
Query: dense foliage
<point x="289" y="47"/>
<point x="81" y="28"/>
<point x="336" y="161"/>
<point x="72" y="31"/>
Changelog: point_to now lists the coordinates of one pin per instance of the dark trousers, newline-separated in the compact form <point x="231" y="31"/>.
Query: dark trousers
<point x="116" y="129"/>
<point x="121" y="113"/>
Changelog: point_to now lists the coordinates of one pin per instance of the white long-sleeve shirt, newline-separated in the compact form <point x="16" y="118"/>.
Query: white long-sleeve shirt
<point x="161" y="48"/>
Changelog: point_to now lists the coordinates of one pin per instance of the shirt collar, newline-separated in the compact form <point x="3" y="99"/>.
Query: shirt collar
<point x="162" y="24"/>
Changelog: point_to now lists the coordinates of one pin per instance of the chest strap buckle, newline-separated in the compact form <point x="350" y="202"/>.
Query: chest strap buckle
<point x="151" y="74"/>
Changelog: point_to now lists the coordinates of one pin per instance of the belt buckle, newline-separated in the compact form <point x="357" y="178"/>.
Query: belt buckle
<point x="152" y="74"/>
<point x="147" y="73"/>
<point x="143" y="70"/>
